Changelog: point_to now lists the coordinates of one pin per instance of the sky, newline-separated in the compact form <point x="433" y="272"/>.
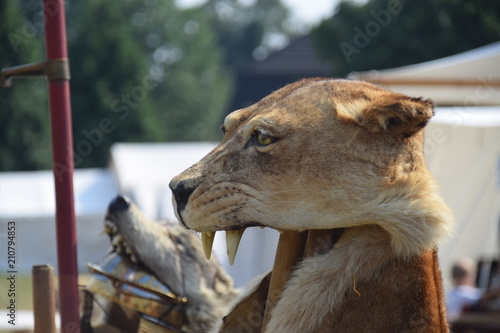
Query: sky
<point x="311" y="12"/>
<point x="307" y="12"/>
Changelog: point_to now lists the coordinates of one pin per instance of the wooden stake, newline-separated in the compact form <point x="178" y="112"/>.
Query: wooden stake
<point x="253" y="313"/>
<point x="320" y="241"/>
<point x="290" y="250"/>
<point x="44" y="301"/>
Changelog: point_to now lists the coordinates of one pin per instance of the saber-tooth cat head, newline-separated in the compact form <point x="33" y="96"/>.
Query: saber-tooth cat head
<point x="318" y="154"/>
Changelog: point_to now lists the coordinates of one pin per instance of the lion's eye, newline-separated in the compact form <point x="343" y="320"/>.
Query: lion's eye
<point x="264" y="139"/>
<point x="223" y="129"/>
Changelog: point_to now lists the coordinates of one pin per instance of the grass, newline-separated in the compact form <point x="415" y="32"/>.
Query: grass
<point x="23" y="292"/>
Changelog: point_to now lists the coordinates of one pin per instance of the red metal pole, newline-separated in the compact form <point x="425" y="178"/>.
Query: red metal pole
<point x="62" y="157"/>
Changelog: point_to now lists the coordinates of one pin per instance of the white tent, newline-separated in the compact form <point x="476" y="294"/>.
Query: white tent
<point x="462" y="142"/>
<point x="464" y="157"/>
<point x="28" y="199"/>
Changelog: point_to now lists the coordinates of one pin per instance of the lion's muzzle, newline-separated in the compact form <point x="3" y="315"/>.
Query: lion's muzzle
<point x="181" y="193"/>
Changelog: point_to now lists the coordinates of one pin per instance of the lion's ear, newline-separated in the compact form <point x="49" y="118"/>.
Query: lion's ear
<point x="398" y="115"/>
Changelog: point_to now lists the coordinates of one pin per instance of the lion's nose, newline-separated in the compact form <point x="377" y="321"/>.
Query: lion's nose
<point x="181" y="191"/>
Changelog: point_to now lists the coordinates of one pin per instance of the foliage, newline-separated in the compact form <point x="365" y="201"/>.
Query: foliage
<point x="24" y="121"/>
<point x="389" y="33"/>
<point x="141" y="71"/>
<point x="148" y="71"/>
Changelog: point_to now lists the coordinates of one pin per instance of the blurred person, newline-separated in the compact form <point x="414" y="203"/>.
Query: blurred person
<point x="464" y="292"/>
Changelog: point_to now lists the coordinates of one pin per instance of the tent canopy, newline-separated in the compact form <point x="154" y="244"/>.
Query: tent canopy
<point x="470" y="78"/>
<point x="463" y="153"/>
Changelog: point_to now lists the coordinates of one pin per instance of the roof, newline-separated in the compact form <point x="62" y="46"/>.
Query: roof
<point x="470" y="78"/>
<point x="296" y="61"/>
<point x="298" y="58"/>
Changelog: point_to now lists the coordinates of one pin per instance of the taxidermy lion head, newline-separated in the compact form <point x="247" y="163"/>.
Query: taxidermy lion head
<point x="327" y="154"/>
<point x="319" y="154"/>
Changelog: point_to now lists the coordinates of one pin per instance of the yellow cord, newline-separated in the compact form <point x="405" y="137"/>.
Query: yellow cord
<point x="354" y="287"/>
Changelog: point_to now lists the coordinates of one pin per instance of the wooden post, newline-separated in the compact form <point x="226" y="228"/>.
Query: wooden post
<point x="320" y="241"/>
<point x="252" y="314"/>
<point x="44" y="301"/>
<point x="290" y="250"/>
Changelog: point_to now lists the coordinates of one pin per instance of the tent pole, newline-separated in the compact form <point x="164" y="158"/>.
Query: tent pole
<point x="62" y="157"/>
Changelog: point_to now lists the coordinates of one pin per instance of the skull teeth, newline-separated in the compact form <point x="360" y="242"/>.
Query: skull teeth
<point x="117" y="240"/>
<point x="109" y="227"/>
<point x="207" y="239"/>
<point x="107" y="230"/>
<point x="233" y="238"/>
<point x="110" y="224"/>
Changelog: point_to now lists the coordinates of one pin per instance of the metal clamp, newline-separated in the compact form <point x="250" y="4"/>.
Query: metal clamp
<point x="53" y="69"/>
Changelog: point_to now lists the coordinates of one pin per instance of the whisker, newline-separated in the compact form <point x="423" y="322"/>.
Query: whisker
<point x="298" y="191"/>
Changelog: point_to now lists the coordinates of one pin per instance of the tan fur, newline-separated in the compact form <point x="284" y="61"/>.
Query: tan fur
<point x="343" y="154"/>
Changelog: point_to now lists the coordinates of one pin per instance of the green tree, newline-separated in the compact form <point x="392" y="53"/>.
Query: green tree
<point x="24" y="117"/>
<point x="141" y="71"/>
<point x="389" y="33"/>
